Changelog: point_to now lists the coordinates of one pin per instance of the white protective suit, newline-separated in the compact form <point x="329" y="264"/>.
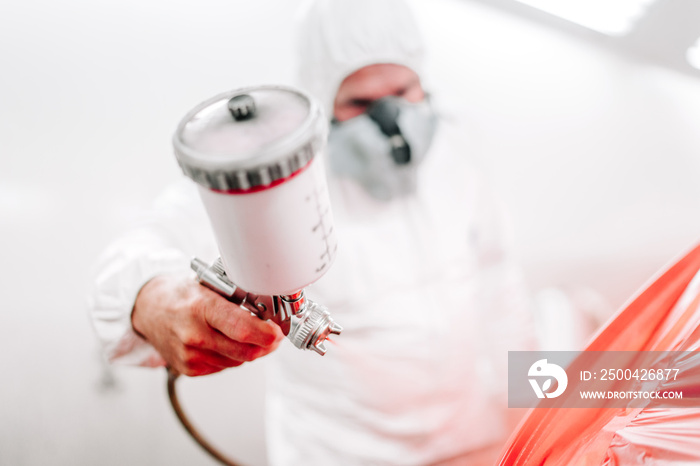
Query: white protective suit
<point x="424" y="287"/>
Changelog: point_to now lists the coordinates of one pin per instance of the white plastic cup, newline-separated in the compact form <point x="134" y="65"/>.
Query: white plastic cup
<point x="263" y="184"/>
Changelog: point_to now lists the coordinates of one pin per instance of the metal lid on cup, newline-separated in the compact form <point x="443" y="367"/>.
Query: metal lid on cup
<point x="250" y="139"/>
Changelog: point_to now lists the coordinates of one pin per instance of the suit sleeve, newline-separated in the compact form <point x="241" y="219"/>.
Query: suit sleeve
<point x="162" y="242"/>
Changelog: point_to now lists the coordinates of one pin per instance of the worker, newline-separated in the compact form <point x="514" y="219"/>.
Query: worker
<point x="424" y="282"/>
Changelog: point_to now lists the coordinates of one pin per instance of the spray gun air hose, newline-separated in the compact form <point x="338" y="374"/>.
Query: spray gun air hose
<point x="189" y="427"/>
<point x="306" y="323"/>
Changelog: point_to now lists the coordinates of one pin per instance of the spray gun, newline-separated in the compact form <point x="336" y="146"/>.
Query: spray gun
<point x="306" y="323"/>
<point x="256" y="157"/>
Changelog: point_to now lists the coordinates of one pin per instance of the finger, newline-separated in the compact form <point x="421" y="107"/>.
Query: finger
<point x="216" y="359"/>
<point x="197" y="360"/>
<point x="240" y="325"/>
<point x="196" y="370"/>
<point x="240" y="351"/>
<point x="203" y="369"/>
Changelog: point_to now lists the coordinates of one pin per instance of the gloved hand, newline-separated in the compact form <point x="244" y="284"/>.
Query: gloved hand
<point x="197" y="331"/>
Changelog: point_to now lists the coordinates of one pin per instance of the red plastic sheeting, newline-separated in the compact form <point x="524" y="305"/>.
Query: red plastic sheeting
<point x="663" y="317"/>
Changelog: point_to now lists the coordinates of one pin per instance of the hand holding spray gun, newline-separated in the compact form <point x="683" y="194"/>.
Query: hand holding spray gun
<point x="306" y="323"/>
<point x="255" y="155"/>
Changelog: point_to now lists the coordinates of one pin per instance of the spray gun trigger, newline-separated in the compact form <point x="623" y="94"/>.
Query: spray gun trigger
<point x="267" y="308"/>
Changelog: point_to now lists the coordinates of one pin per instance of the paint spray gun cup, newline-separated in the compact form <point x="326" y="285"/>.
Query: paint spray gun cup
<point x="256" y="155"/>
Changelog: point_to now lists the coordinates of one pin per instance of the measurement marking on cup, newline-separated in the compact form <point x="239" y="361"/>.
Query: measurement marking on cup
<point x="326" y="233"/>
<point x="322" y="216"/>
<point x="329" y="234"/>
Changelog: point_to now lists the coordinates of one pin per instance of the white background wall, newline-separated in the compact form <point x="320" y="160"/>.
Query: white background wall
<point x="595" y="154"/>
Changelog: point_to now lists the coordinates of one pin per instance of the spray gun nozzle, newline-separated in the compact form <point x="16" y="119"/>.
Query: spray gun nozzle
<point x="320" y="348"/>
<point x="311" y="327"/>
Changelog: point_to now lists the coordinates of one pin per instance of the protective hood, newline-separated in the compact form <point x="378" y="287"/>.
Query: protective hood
<point x="338" y="37"/>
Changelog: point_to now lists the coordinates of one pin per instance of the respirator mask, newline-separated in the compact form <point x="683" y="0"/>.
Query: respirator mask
<point x="382" y="148"/>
